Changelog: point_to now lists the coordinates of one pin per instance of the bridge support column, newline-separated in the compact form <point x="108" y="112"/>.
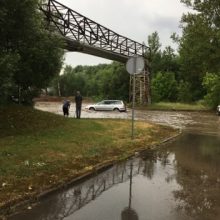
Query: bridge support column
<point x="142" y="88"/>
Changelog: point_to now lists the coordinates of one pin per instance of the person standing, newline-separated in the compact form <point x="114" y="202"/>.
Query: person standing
<point x="78" y="100"/>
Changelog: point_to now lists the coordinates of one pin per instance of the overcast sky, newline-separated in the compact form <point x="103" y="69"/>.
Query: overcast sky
<point x="135" y="19"/>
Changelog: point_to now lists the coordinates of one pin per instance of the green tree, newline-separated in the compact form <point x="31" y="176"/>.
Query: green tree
<point x="115" y="82"/>
<point x="23" y="35"/>
<point x="164" y="87"/>
<point x="104" y="81"/>
<point x="211" y="83"/>
<point x="200" y="43"/>
<point x="7" y="69"/>
<point x="155" y="53"/>
<point x="184" y="94"/>
<point x="169" y="61"/>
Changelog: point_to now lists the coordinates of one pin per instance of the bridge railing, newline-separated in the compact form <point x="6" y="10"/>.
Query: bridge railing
<point x="77" y="27"/>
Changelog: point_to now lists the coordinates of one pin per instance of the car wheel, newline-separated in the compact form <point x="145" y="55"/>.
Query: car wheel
<point x="116" y="110"/>
<point x="92" y="109"/>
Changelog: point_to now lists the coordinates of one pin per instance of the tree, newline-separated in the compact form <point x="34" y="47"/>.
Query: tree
<point x="184" y="94"/>
<point x="169" y="61"/>
<point x="200" y="43"/>
<point x="114" y="82"/>
<point x="104" y="81"/>
<point x="7" y="69"/>
<point x="23" y="35"/>
<point x="211" y="83"/>
<point x="164" y="87"/>
<point x="155" y="53"/>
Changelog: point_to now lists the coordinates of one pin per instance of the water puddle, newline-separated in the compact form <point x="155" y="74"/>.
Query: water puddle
<point x="178" y="181"/>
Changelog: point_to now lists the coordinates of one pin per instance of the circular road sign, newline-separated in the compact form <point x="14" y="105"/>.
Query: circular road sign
<point x="135" y="65"/>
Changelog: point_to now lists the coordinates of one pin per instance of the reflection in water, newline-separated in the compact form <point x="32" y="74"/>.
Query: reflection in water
<point x="180" y="181"/>
<point x="149" y="158"/>
<point x="128" y="213"/>
<point x="198" y="172"/>
<point x="67" y="202"/>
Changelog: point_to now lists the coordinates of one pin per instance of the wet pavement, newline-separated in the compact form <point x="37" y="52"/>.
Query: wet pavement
<point x="195" y="121"/>
<point x="178" y="181"/>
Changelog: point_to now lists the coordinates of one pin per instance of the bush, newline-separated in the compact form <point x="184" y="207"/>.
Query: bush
<point x="211" y="82"/>
<point x="184" y="93"/>
<point x="164" y="87"/>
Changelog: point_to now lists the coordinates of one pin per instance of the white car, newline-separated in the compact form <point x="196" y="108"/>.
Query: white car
<point x="108" y="105"/>
<point x="218" y="109"/>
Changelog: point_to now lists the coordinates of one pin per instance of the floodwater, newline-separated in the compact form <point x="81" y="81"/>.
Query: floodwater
<point x="171" y="118"/>
<point x="194" y="121"/>
<point x="178" y="181"/>
<point x="56" y="107"/>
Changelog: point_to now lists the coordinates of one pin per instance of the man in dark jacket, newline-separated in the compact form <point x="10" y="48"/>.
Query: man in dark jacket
<point x="66" y="106"/>
<point x="78" y="100"/>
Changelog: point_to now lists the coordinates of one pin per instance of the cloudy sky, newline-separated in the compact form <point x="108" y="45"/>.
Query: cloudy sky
<point x="135" y="19"/>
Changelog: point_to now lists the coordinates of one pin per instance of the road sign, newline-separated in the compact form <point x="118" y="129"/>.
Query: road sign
<point x="135" y="65"/>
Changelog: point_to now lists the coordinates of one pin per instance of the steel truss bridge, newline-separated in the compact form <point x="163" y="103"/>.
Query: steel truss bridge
<point x="87" y="36"/>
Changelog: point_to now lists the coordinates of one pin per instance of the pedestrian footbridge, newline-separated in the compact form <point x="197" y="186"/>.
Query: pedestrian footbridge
<point x="87" y="36"/>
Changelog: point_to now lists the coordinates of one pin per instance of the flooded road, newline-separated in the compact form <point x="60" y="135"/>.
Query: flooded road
<point x="201" y="122"/>
<point x="178" y="181"/>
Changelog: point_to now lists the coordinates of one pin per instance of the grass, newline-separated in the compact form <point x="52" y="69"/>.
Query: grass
<point x="178" y="106"/>
<point x="40" y="150"/>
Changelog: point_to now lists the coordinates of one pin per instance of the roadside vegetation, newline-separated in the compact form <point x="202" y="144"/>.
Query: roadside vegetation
<point x="40" y="150"/>
<point x="177" y="106"/>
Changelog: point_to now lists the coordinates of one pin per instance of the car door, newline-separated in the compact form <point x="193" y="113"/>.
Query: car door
<point x="100" y="106"/>
<point x="106" y="105"/>
<point x="111" y="105"/>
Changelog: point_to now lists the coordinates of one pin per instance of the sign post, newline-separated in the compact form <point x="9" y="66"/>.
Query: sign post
<point x="134" y="66"/>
